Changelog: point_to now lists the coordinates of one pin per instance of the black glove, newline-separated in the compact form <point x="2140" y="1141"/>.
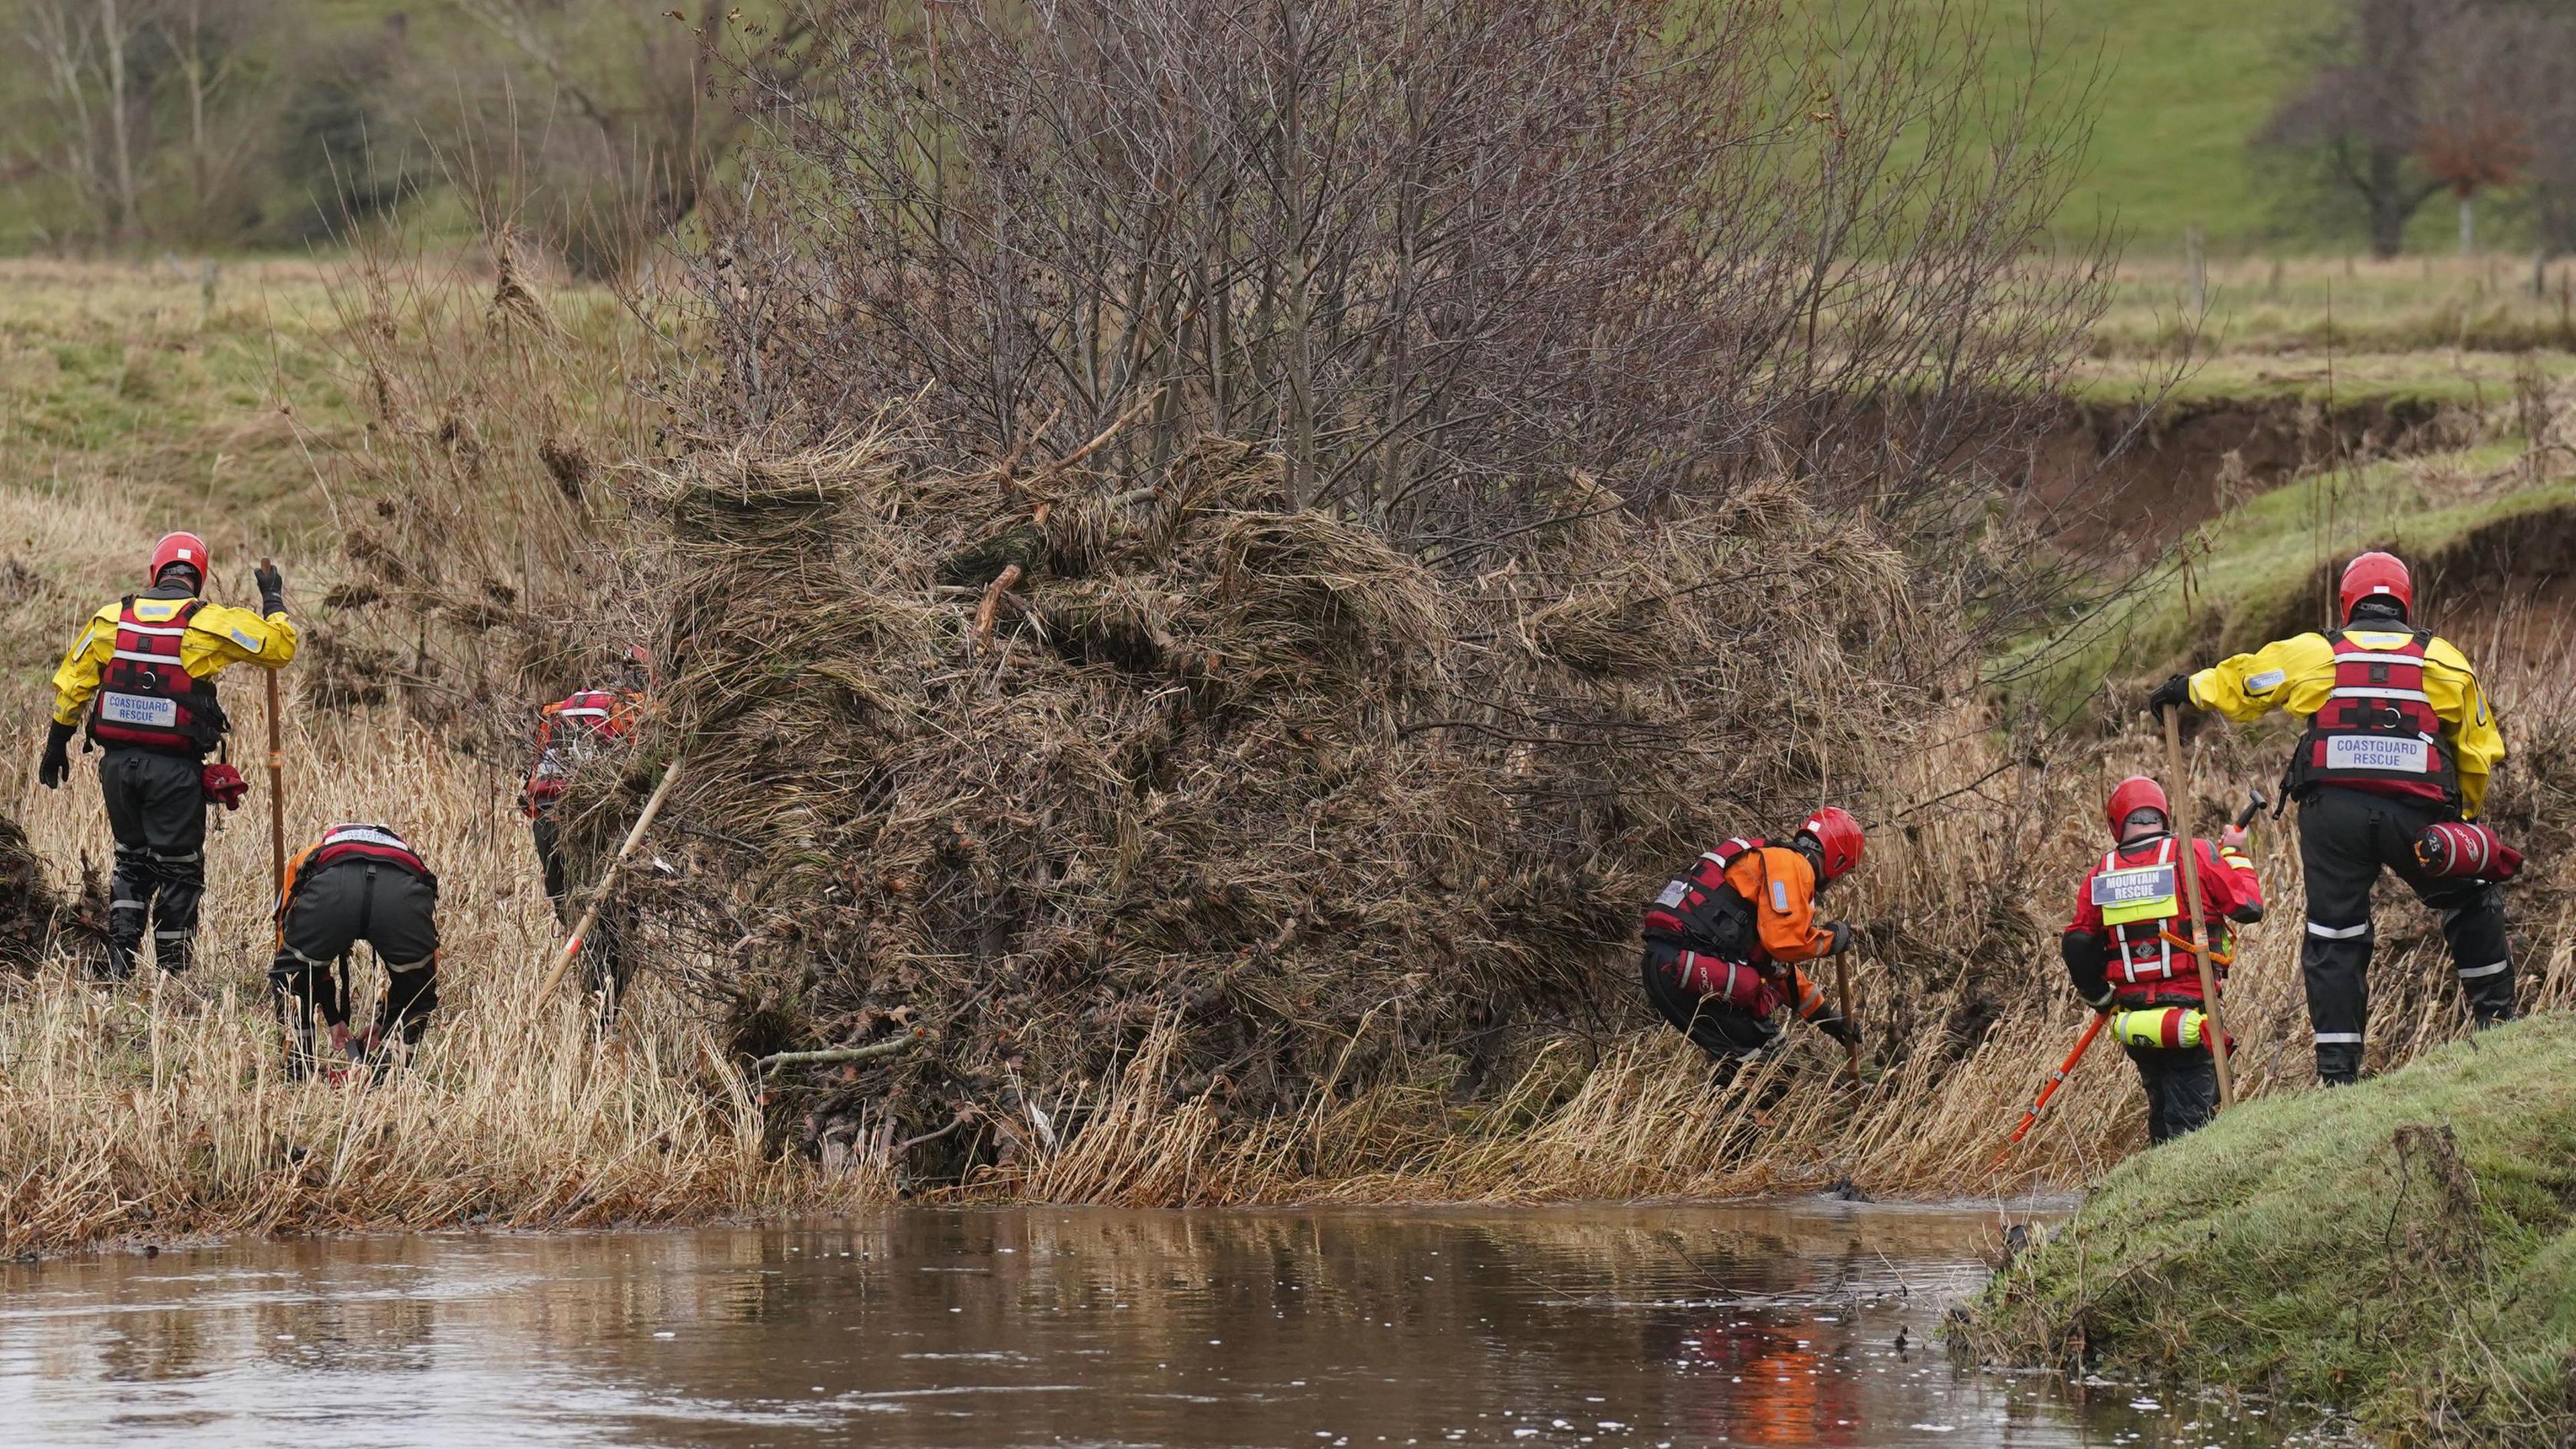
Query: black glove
<point x="2174" y="694"/>
<point x="2088" y="966"/>
<point x="272" y="589"/>
<point x="1842" y="934"/>
<point x="57" y="765"/>
<point x="2246" y="915"/>
<point x="1839" y="1029"/>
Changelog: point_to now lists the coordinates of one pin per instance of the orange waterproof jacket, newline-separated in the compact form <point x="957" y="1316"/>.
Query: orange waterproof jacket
<point x="1782" y="887"/>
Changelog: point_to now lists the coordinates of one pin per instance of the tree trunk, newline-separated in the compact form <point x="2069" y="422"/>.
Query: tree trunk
<point x="2389" y="210"/>
<point x="116" y="119"/>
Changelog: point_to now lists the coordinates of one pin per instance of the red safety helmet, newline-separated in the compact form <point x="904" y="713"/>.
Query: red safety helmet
<point x="2376" y="573"/>
<point x="2132" y="795"/>
<point x="179" y="548"/>
<point x="1838" y="839"/>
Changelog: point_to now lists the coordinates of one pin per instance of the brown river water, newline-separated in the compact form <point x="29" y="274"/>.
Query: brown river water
<point x="1786" y="1323"/>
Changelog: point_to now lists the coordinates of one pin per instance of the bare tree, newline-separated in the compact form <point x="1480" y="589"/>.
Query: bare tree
<point x="212" y="48"/>
<point x="150" y="114"/>
<point x="603" y="107"/>
<point x="2361" y="118"/>
<point x="1440" y="254"/>
<point x="2532" y="52"/>
<point x="116" y="31"/>
<point x="63" y="38"/>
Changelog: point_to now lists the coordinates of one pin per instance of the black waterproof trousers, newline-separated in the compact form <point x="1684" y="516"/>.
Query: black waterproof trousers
<point x="156" y="809"/>
<point x="2346" y="837"/>
<point x="333" y="909"/>
<point x="606" y="963"/>
<point x="1726" y="1033"/>
<point x="2182" y="1088"/>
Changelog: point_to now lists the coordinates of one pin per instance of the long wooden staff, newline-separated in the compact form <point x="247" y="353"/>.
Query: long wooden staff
<point x="1842" y="986"/>
<point x="276" y="785"/>
<point x="608" y="878"/>
<point x="2193" y="909"/>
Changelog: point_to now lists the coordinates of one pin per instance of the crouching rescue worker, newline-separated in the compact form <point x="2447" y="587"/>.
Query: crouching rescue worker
<point x="1726" y="937"/>
<point x="2128" y="950"/>
<point x="572" y="732"/>
<point x="2399" y="740"/>
<point x="143" y="676"/>
<point x="357" y="883"/>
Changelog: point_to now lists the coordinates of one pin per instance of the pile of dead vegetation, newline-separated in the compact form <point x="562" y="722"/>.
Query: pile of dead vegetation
<point x="35" y="917"/>
<point x="1044" y="769"/>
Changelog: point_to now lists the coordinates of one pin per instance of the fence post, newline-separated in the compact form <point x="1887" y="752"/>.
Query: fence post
<point x="2195" y="247"/>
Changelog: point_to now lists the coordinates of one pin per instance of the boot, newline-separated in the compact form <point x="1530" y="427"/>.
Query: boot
<point x="2338" y="1064"/>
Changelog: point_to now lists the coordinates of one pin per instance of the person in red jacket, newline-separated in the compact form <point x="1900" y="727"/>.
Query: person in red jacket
<point x="1726" y="937"/>
<point x="2128" y="950"/>
<point x="571" y="733"/>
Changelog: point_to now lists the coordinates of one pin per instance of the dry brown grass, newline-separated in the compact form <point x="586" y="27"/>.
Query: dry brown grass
<point x="1254" y="979"/>
<point x="161" y="1110"/>
<point x="1643" y="1121"/>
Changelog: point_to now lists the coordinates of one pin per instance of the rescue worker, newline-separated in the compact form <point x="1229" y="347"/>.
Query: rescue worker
<point x="572" y="732"/>
<point x="1726" y="937"/>
<point x="2398" y="739"/>
<point x="2128" y="950"/>
<point x="356" y="883"/>
<point x="142" y="673"/>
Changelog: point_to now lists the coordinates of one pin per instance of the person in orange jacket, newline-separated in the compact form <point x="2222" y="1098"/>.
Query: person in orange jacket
<point x="2121" y="949"/>
<point x="1726" y="937"/>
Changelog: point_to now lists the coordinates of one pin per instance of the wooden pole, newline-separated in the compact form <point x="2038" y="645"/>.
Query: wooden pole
<point x="276" y="784"/>
<point x="2179" y="790"/>
<point x="581" y="929"/>
<point x="1842" y="987"/>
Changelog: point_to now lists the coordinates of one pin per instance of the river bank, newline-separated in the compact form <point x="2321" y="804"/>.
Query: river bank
<point x="2404" y="1250"/>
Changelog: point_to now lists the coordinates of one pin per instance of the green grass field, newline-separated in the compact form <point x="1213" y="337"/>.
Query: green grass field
<point x="2183" y="84"/>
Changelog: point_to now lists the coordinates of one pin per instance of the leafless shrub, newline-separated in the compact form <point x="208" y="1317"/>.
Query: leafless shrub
<point x="1440" y="256"/>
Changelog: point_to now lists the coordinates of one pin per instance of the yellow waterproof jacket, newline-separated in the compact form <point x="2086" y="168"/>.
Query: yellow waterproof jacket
<point x="217" y="637"/>
<point x="2296" y="675"/>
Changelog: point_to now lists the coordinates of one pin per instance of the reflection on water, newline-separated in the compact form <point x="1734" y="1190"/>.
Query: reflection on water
<point x="1781" y="1324"/>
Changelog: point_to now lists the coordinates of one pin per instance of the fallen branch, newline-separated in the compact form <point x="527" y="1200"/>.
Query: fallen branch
<point x="992" y="601"/>
<point x="832" y="1055"/>
<point x="964" y="1116"/>
<point x="1087" y="449"/>
<point x="571" y="948"/>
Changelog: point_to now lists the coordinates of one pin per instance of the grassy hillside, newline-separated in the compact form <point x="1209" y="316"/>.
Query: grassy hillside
<point x="2402" y="1249"/>
<point x="2185" y="83"/>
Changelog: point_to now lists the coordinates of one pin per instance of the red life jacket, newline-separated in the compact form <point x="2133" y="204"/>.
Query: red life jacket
<point x="587" y="719"/>
<point x="2378" y="731"/>
<point x="599" y="712"/>
<point x="146" y="698"/>
<point x="2141" y="903"/>
<point x="1699" y="910"/>
<point x="365" y="842"/>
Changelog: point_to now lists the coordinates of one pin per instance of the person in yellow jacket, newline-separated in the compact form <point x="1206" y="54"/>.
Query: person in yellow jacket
<point x="2399" y="738"/>
<point x="142" y="674"/>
